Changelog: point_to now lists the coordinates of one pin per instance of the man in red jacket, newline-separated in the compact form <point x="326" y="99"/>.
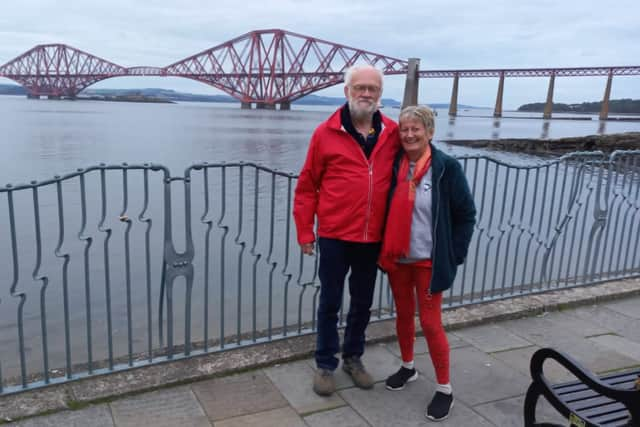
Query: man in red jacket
<point x="344" y="184"/>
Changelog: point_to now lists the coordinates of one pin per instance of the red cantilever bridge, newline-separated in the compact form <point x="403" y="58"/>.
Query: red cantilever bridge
<point x="265" y="67"/>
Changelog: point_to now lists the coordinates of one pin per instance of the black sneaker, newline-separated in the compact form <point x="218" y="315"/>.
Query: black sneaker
<point x="398" y="380"/>
<point x="440" y="406"/>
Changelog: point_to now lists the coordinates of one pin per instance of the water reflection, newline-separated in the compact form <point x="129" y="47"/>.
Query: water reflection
<point x="602" y="127"/>
<point x="545" y="129"/>
<point x="452" y="122"/>
<point x="496" y="128"/>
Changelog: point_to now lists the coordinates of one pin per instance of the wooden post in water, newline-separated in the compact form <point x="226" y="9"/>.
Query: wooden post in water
<point x="497" y="112"/>
<point x="411" y="83"/>
<point x="453" y="106"/>
<point x="548" y="107"/>
<point x="604" y="109"/>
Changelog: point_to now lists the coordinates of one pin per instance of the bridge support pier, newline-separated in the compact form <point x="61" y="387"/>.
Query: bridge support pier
<point x="56" y="97"/>
<point x="548" y="107"/>
<point x="245" y="105"/>
<point x="411" y="84"/>
<point x="265" y="106"/>
<point x="453" y="105"/>
<point x="497" y="112"/>
<point x="285" y="105"/>
<point x="604" y="109"/>
<point x="30" y="96"/>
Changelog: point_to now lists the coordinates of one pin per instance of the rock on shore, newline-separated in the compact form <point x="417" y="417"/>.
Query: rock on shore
<point x="605" y="143"/>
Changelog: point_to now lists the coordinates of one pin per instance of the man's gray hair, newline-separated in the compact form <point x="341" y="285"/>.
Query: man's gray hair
<point x="348" y="75"/>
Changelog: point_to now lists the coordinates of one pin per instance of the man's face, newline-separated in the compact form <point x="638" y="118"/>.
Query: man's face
<point x="363" y="93"/>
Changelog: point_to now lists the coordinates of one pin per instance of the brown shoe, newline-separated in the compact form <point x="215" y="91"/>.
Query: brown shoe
<point x="354" y="367"/>
<point x="323" y="382"/>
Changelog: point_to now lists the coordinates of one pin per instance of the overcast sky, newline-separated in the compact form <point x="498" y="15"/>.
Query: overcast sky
<point x="444" y="34"/>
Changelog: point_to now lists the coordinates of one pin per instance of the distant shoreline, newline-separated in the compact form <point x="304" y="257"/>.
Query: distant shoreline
<point x="605" y="143"/>
<point x="126" y="98"/>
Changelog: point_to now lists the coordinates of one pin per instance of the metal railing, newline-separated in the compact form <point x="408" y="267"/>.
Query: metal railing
<point x="113" y="267"/>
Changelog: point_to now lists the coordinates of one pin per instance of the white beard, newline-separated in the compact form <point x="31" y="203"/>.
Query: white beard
<point x="360" y="112"/>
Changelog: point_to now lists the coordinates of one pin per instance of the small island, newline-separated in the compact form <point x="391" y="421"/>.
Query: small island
<point x="616" y="106"/>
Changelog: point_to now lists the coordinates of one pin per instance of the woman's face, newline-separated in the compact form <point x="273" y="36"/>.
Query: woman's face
<point x="414" y="137"/>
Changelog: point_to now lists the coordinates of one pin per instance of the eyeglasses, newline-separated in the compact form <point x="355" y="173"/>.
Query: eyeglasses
<point x="364" y="88"/>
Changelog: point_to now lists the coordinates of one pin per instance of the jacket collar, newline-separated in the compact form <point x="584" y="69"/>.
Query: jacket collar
<point x="437" y="161"/>
<point x="335" y="121"/>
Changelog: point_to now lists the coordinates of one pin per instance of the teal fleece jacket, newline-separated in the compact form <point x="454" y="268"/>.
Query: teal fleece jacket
<point x="454" y="216"/>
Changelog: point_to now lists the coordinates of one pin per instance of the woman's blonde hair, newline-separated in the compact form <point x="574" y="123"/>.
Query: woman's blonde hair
<point x="419" y="112"/>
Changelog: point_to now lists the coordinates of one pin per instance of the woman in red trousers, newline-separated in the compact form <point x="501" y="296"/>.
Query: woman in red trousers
<point x="428" y="230"/>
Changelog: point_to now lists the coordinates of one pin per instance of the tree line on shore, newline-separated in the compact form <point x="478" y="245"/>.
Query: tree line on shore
<point x="625" y="105"/>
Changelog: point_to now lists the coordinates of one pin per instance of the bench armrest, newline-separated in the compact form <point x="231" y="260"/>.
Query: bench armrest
<point x="627" y="397"/>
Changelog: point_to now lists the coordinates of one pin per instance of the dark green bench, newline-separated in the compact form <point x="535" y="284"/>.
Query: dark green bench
<point x="609" y="400"/>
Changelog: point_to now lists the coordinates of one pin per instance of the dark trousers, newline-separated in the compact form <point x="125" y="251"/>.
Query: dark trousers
<point x="337" y="257"/>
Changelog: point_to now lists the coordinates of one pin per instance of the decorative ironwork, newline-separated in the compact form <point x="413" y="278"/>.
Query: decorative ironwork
<point x="222" y="263"/>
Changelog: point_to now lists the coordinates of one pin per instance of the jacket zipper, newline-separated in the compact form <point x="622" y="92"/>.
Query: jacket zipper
<point x="370" y="192"/>
<point x="435" y="226"/>
<point x="369" y="197"/>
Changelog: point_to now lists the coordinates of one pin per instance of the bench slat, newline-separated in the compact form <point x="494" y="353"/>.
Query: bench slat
<point x="618" y="380"/>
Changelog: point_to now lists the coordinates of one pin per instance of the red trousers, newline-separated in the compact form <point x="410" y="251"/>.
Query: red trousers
<point x="407" y="282"/>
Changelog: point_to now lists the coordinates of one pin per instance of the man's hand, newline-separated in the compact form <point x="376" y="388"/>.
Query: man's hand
<point x="307" y="248"/>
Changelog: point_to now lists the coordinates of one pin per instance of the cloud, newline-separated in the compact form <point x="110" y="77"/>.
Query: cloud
<point x="444" y="34"/>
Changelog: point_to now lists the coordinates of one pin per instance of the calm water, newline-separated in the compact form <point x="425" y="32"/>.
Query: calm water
<point x="42" y="138"/>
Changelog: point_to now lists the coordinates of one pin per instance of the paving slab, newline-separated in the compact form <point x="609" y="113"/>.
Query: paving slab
<point x="546" y="333"/>
<point x="275" y="418"/>
<point x="405" y="408"/>
<point x="520" y="359"/>
<point x="492" y="337"/>
<point x="339" y="417"/>
<point x="629" y="307"/>
<point x="620" y="344"/>
<point x="294" y="381"/>
<point x="164" y="408"/>
<point x="478" y="377"/>
<point x="578" y="327"/>
<point x="621" y="324"/>
<point x="237" y="395"/>
<point x="93" y="416"/>
<point x="509" y="412"/>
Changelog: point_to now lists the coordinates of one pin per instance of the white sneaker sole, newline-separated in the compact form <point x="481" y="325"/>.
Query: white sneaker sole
<point x="435" y="420"/>
<point x="410" y="380"/>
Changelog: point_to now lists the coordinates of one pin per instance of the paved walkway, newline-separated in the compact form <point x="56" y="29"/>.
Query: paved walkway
<point x="489" y="376"/>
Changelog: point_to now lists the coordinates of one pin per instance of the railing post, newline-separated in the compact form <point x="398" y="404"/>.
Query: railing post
<point x="177" y="264"/>
<point x="411" y="83"/>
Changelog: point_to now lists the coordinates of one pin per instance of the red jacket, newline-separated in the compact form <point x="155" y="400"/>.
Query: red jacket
<point x="345" y="190"/>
